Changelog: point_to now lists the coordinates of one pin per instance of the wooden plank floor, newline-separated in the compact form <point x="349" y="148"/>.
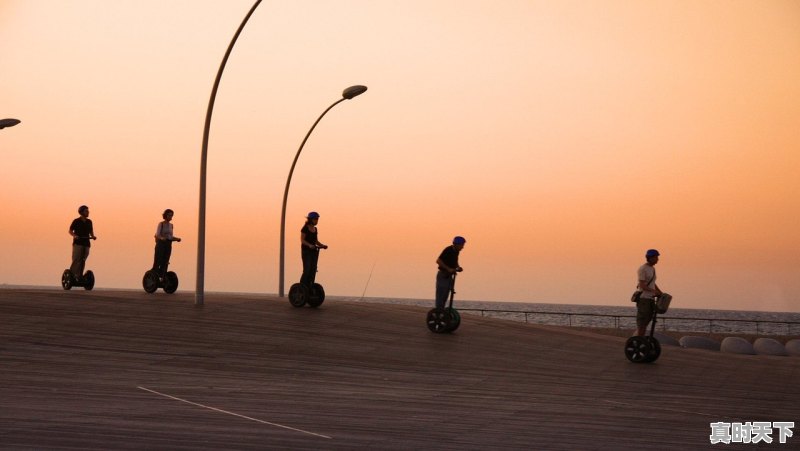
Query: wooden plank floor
<point x="126" y="370"/>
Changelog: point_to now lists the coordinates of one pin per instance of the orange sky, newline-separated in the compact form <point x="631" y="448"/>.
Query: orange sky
<point x="562" y="139"/>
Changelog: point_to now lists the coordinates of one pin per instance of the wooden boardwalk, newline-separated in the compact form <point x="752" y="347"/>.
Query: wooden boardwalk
<point x="126" y="370"/>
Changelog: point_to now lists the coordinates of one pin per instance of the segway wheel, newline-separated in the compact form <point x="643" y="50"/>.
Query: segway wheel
<point x="438" y="320"/>
<point x="317" y="296"/>
<point x="298" y="295"/>
<point x="455" y="319"/>
<point x="66" y="279"/>
<point x="170" y="282"/>
<point x="637" y="349"/>
<point x="655" y="350"/>
<point x="150" y="281"/>
<point x="88" y="281"/>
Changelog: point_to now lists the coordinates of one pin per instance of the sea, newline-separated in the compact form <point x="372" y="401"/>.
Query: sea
<point x="624" y="317"/>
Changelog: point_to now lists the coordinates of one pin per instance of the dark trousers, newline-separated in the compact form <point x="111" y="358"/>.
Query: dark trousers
<point x="161" y="259"/>
<point x="310" y="259"/>
<point x="444" y="284"/>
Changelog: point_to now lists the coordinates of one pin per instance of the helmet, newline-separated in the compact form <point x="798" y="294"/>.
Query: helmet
<point x="459" y="240"/>
<point x="313" y="215"/>
<point x="651" y="253"/>
<point x="168" y="211"/>
<point x="82" y="208"/>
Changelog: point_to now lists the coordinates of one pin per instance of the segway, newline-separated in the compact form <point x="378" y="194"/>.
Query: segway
<point x="647" y="349"/>
<point x="152" y="281"/>
<point x="68" y="280"/>
<point x="301" y="294"/>
<point x="445" y="320"/>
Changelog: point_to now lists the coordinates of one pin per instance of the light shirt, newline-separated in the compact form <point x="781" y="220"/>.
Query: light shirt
<point x="647" y="273"/>
<point x="164" y="230"/>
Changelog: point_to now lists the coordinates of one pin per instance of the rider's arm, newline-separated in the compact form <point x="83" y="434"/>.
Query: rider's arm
<point x="643" y="286"/>
<point x="442" y="265"/>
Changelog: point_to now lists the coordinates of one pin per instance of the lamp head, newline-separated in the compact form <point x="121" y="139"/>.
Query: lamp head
<point x="353" y="91"/>
<point x="12" y="122"/>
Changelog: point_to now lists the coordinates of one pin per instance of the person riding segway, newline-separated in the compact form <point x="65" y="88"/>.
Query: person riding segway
<point x="158" y="276"/>
<point x="82" y="231"/>
<point x="650" y="301"/>
<point x="443" y="318"/>
<point x="308" y="291"/>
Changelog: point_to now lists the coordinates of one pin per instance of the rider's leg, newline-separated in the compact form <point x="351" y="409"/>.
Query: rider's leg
<point x="304" y="279"/>
<point x="645" y="308"/>
<point x="79" y="256"/>
<point x="442" y="289"/>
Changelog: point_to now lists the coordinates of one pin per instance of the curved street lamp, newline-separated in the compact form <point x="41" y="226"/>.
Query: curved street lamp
<point x="8" y="123"/>
<point x="347" y="94"/>
<point x="199" y="292"/>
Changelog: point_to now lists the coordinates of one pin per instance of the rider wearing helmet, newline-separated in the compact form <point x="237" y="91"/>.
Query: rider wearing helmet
<point x="448" y="266"/>
<point x="310" y="247"/>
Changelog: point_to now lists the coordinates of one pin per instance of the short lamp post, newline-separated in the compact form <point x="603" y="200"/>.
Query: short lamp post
<point x="347" y="94"/>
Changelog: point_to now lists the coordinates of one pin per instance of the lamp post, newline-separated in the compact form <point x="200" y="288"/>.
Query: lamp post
<point x="8" y="123"/>
<point x="199" y="292"/>
<point x="347" y="94"/>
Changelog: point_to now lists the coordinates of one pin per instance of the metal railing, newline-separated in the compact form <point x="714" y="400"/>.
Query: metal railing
<point x="678" y="323"/>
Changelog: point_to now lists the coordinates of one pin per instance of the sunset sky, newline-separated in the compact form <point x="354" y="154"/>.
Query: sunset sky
<point x="561" y="138"/>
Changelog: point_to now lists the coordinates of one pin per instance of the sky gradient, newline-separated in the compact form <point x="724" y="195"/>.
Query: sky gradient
<point x="562" y="139"/>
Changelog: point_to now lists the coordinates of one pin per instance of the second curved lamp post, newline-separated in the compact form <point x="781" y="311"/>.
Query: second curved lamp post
<point x="347" y="94"/>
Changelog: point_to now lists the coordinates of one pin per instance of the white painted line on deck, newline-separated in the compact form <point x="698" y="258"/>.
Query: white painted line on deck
<point x="231" y="413"/>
